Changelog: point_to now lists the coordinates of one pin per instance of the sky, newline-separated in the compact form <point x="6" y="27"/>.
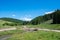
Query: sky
<point x="27" y="9"/>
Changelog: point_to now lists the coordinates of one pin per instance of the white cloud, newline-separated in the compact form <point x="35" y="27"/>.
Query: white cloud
<point x="49" y="12"/>
<point x="13" y="15"/>
<point x="26" y="18"/>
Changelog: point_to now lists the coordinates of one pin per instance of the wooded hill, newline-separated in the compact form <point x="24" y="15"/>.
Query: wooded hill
<point x="55" y="16"/>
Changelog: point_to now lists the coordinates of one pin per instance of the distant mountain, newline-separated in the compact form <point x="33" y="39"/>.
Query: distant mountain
<point x="12" y="20"/>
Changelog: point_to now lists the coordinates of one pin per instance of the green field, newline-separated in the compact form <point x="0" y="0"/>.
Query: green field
<point x="35" y="35"/>
<point x="47" y="26"/>
<point x="10" y="32"/>
<point x="38" y="35"/>
<point x="42" y="25"/>
<point x="2" y="22"/>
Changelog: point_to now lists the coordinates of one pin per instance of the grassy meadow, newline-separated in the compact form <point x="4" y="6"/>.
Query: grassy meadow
<point x="37" y="35"/>
<point x="11" y="32"/>
<point x="47" y="26"/>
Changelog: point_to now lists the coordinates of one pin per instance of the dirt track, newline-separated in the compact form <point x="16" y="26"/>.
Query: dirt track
<point x="6" y="29"/>
<point x="28" y="29"/>
<point x="35" y="29"/>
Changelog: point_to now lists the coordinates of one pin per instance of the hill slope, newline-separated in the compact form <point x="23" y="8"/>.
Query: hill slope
<point x="55" y="16"/>
<point x="10" y="21"/>
<point x="41" y="19"/>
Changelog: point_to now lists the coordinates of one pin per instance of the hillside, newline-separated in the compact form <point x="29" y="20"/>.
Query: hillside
<point x="41" y="19"/>
<point x="3" y="24"/>
<point x="55" y="16"/>
<point x="10" y="22"/>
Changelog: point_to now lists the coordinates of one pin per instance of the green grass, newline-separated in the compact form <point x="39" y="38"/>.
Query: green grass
<point x="10" y="32"/>
<point x="48" y="26"/>
<point x="42" y="25"/>
<point x="38" y="35"/>
<point x="2" y="22"/>
<point x="1" y="27"/>
<point x="19" y="26"/>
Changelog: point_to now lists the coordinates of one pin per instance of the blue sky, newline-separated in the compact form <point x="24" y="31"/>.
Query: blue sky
<point x="27" y="9"/>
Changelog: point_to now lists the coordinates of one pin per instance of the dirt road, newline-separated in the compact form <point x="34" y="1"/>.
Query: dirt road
<point x="6" y="29"/>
